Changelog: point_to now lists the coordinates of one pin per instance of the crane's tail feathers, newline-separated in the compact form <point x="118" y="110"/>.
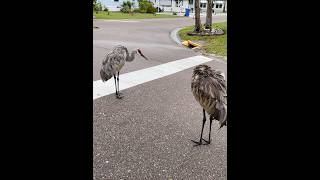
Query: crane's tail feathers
<point x="223" y="117"/>
<point x="223" y="124"/>
<point x="104" y="75"/>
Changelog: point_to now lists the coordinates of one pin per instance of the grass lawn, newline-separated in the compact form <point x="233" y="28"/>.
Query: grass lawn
<point x="214" y="44"/>
<point x="119" y="15"/>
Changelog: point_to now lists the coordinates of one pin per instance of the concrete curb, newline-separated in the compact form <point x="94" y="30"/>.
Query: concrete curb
<point x="174" y="36"/>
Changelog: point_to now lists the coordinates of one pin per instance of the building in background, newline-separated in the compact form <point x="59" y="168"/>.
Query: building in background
<point x="115" y="5"/>
<point x="169" y="5"/>
<point x="217" y="6"/>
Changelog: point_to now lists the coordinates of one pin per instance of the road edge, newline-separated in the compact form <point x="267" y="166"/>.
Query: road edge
<point x="174" y="36"/>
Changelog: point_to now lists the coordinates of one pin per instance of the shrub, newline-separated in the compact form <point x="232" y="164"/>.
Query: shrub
<point x="174" y="13"/>
<point x="151" y="9"/>
<point x="146" y="7"/>
<point x="125" y="9"/>
<point x="143" y="6"/>
<point x="136" y="10"/>
<point x="127" y="3"/>
<point x="97" y="6"/>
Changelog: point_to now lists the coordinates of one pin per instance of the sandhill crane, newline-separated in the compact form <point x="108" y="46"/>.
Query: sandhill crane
<point x="209" y="88"/>
<point x="113" y="63"/>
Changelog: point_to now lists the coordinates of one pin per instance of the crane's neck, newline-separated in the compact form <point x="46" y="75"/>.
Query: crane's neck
<point x="132" y="56"/>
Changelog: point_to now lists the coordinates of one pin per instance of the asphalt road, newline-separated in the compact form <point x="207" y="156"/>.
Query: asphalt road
<point x="146" y="135"/>
<point x="152" y="36"/>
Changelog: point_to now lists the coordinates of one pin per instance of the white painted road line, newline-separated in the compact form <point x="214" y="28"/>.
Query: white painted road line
<point x="134" y="78"/>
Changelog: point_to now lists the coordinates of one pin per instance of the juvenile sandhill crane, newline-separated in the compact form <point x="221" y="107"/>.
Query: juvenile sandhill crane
<point x="113" y="63"/>
<point x="209" y="88"/>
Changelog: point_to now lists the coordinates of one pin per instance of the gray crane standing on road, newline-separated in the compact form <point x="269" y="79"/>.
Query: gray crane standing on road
<point x="113" y="63"/>
<point x="209" y="88"/>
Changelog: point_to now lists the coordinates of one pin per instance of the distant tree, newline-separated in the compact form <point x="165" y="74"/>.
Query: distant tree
<point x="146" y="7"/>
<point x="127" y="3"/>
<point x="126" y="7"/>
<point x="94" y="4"/>
<point x="197" y="27"/>
<point x="97" y="6"/>
<point x="209" y="15"/>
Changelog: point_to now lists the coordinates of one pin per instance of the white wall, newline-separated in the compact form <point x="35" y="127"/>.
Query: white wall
<point x="181" y="6"/>
<point x="167" y="9"/>
<point x="217" y="10"/>
<point x="115" y="6"/>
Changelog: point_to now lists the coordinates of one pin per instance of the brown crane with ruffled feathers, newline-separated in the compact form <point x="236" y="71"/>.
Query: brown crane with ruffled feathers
<point x="113" y="63"/>
<point x="209" y="88"/>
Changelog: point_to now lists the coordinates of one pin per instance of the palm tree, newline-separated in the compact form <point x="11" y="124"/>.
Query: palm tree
<point x="197" y="27"/>
<point x="209" y="15"/>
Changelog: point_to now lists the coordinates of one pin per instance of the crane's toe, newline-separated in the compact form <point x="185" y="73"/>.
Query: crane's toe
<point x="119" y="96"/>
<point x="207" y="142"/>
<point x="197" y="143"/>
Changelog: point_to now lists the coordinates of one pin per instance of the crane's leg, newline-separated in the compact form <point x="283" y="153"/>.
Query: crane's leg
<point x="115" y="84"/>
<point x="209" y="141"/>
<point x="119" y="95"/>
<point x="203" y="122"/>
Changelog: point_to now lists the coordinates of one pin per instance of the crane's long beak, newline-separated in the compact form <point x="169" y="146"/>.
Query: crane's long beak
<point x="142" y="54"/>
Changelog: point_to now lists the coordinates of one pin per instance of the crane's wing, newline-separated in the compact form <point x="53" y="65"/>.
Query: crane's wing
<point x="105" y="75"/>
<point x="221" y="105"/>
<point x="217" y="88"/>
<point x="210" y="90"/>
<point x="107" y="69"/>
<point x="110" y="61"/>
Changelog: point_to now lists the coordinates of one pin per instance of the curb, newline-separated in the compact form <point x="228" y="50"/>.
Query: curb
<point x="174" y="36"/>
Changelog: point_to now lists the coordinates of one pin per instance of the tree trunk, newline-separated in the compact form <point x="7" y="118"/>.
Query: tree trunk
<point x="197" y="27"/>
<point x="209" y="15"/>
<point x="224" y="6"/>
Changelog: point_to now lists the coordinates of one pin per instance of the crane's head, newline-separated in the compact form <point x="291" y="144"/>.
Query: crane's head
<point x="140" y="53"/>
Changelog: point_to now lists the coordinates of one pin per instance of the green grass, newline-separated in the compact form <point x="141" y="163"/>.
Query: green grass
<point x="119" y="15"/>
<point x="214" y="44"/>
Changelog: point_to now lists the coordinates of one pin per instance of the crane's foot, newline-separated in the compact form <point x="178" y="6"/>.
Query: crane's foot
<point x="197" y="143"/>
<point x="207" y="142"/>
<point x="119" y="96"/>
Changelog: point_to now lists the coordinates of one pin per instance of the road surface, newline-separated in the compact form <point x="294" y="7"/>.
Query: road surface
<point x="146" y="135"/>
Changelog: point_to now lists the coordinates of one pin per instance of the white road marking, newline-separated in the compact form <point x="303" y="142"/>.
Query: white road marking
<point x="134" y="78"/>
